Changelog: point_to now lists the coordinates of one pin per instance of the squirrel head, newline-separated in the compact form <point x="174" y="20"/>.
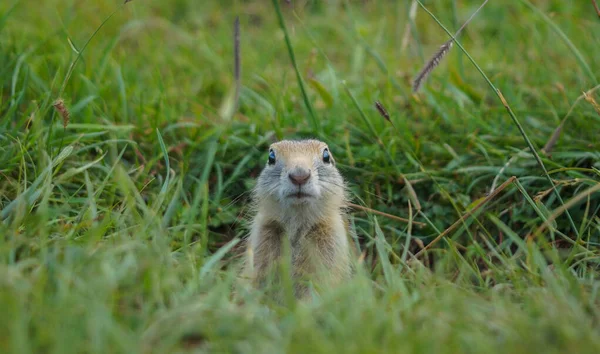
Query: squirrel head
<point x="301" y="174"/>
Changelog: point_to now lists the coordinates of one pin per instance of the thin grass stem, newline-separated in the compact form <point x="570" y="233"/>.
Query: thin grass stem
<point x="288" y="43"/>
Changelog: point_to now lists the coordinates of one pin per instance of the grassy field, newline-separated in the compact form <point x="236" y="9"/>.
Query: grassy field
<point x="121" y="228"/>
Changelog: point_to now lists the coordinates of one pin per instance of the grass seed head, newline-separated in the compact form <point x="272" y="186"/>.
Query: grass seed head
<point x="432" y="64"/>
<point x="60" y="107"/>
<point x="588" y="97"/>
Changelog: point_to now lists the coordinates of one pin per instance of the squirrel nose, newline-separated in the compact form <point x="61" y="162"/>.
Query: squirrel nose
<point x="299" y="176"/>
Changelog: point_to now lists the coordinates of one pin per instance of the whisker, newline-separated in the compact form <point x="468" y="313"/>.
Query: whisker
<point x="329" y="190"/>
<point x="236" y="199"/>
<point x="272" y="189"/>
<point x="333" y="183"/>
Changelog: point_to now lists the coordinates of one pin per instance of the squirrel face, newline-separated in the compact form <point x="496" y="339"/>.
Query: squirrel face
<point x="300" y="173"/>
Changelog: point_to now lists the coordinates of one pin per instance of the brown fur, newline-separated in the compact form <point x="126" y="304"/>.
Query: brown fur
<point x="316" y="228"/>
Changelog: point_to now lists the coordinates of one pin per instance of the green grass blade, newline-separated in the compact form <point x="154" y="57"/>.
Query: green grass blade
<point x="313" y="117"/>
<point x="582" y="62"/>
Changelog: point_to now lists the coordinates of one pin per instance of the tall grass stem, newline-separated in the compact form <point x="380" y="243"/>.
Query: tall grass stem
<point x="512" y="116"/>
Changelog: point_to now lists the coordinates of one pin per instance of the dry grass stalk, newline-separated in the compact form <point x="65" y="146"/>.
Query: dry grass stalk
<point x="556" y="134"/>
<point x="588" y="97"/>
<point x="412" y="14"/>
<point x="563" y="208"/>
<point x="468" y="214"/>
<point x="389" y="216"/>
<point x="29" y="120"/>
<point x="553" y="139"/>
<point x="412" y="194"/>
<point x="60" y="107"/>
<point x="596" y="7"/>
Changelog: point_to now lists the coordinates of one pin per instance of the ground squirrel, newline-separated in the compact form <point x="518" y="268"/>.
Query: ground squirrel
<point x="300" y="198"/>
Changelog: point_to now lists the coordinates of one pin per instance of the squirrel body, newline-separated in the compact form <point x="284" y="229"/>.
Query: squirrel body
<point x="299" y="200"/>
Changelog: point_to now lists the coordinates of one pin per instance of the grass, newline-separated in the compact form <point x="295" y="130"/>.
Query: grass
<point x="122" y="232"/>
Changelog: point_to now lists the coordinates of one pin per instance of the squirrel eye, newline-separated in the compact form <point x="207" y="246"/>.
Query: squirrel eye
<point x="326" y="156"/>
<point x="271" y="157"/>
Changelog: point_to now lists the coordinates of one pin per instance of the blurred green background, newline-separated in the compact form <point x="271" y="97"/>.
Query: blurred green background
<point x="111" y="221"/>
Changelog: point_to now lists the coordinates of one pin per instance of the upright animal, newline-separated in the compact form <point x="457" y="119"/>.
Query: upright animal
<point x="299" y="200"/>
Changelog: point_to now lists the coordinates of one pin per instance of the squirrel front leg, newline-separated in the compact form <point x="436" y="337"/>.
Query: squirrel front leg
<point x="265" y="250"/>
<point x="322" y="257"/>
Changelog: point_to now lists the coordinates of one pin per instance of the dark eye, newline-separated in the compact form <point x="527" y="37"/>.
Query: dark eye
<point x="271" y="157"/>
<point x="326" y="156"/>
